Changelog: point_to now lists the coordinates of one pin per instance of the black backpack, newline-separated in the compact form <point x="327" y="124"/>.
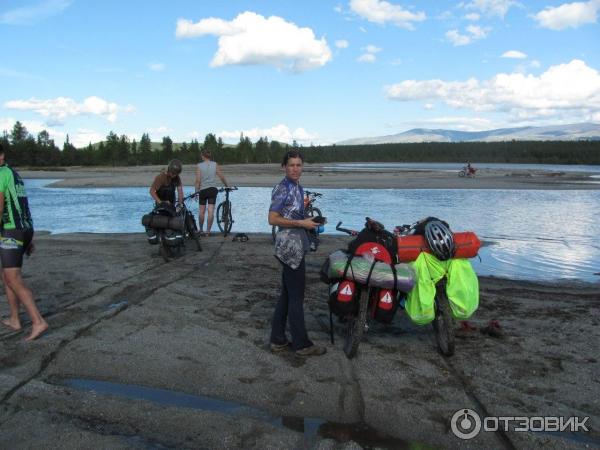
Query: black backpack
<point x="375" y="232"/>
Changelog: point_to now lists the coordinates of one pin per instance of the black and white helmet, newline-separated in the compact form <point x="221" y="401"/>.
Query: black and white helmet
<point x="440" y="240"/>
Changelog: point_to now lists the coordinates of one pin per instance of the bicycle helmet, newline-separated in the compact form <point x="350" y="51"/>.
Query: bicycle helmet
<point x="440" y="240"/>
<point x="174" y="167"/>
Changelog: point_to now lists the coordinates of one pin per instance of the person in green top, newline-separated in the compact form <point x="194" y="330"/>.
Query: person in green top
<point x="16" y="239"/>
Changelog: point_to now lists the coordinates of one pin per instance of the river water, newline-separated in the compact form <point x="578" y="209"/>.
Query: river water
<point x="547" y="235"/>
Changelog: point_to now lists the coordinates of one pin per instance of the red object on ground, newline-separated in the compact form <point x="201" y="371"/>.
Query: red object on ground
<point x="409" y="247"/>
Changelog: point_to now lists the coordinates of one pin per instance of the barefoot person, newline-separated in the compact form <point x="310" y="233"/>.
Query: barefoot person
<point x="206" y="183"/>
<point x="291" y="245"/>
<point x="16" y="239"/>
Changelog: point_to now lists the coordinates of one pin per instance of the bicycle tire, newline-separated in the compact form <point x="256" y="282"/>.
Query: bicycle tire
<point x="356" y="325"/>
<point x="224" y="218"/>
<point x="443" y="324"/>
<point x="192" y="230"/>
<point x="165" y="251"/>
<point x="220" y="216"/>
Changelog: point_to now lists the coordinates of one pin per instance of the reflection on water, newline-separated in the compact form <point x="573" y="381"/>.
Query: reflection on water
<point x="535" y="235"/>
<point x="361" y="433"/>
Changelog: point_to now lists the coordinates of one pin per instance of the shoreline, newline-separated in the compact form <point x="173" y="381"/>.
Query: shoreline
<point x="199" y="327"/>
<point x="317" y="176"/>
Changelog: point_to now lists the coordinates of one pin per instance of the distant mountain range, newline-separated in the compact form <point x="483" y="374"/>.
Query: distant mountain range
<point x="573" y="132"/>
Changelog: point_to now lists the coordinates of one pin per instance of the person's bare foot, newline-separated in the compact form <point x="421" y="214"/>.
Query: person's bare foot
<point x="37" y="331"/>
<point x="14" y="324"/>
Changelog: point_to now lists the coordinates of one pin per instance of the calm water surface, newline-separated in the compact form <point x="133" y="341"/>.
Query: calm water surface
<point x="535" y="235"/>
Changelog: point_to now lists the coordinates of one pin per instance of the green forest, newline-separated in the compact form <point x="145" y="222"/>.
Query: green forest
<point x="24" y="149"/>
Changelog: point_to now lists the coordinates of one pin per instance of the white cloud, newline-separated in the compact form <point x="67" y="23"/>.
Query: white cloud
<point x="473" y="17"/>
<point x="369" y="55"/>
<point x="80" y="138"/>
<point x="157" y="67"/>
<point x="367" y="58"/>
<point x="281" y="133"/>
<point x="372" y="49"/>
<point x="252" y="39"/>
<point x="58" y="109"/>
<point x="342" y="43"/>
<point x="381" y="12"/>
<point x="567" y="15"/>
<point x="338" y="8"/>
<point x="514" y="54"/>
<point x="492" y="7"/>
<point x="535" y="64"/>
<point x="567" y="89"/>
<point x="29" y="15"/>
<point x="16" y="74"/>
<point x="457" y="123"/>
<point x="429" y="106"/>
<point x="473" y="33"/>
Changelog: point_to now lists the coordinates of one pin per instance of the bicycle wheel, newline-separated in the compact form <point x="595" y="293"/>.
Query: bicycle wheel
<point x="224" y="218"/>
<point x="192" y="229"/>
<point x="356" y="325"/>
<point x="166" y="251"/>
<point x="443" y="324"/>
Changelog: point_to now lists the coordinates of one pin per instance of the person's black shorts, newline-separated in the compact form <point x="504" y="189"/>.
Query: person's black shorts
<point x="208" y="195"/>
<point x="13" y="244"/>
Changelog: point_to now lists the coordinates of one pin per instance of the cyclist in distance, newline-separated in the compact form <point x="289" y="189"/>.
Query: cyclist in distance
<point x="291" y="245"/>
<point x="206" y="182"/>
<point x="167" y="182"/>
<point x="16" y="239"/>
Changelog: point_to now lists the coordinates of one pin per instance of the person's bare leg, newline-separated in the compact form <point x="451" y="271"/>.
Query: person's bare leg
<point x="13" y="303"/>
<point x="211" y="217"/>
<point x="201" y="212"/>
<point x="13" y="279"/>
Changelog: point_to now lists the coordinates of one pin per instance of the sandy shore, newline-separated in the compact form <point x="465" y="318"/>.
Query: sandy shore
<point x="199" y="327"/>
<point x="321" y="176"/>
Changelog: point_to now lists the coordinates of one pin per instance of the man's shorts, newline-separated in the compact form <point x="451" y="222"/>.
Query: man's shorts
<point x="208" y="195"/>
<point x="13" y="244"/>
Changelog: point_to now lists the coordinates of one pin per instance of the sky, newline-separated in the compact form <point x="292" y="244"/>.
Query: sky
<point x="314" y="71"/>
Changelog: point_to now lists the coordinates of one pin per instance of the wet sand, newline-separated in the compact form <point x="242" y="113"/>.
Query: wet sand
<point x="198" y="328"/>
<point x="321" y="176"/>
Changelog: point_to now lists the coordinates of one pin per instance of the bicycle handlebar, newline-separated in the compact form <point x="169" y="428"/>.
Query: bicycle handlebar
<point x="314" y="194"/>
<point x="345" y="230"/>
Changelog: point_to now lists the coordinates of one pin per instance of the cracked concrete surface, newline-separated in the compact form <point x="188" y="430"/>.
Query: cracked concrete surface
<point x="199" y="326"/>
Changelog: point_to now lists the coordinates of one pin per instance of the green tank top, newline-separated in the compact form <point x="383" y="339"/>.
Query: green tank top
<point x="16" y="215"/>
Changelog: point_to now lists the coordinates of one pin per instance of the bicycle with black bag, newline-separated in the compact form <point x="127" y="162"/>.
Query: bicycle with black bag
<point x="168" y="226"/>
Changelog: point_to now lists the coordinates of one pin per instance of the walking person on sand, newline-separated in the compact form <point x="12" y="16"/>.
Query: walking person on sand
<point x="16" y="239"/>
<point x="291" y="246"/>
<point x="206" y="183"/>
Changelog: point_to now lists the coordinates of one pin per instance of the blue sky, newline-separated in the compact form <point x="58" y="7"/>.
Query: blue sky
<point x="316" y="71"/>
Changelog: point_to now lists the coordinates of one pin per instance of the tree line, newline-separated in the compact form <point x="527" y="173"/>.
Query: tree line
<point x="24" y="149"/>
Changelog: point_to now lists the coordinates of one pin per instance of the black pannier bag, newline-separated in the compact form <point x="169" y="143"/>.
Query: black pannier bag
<point x="164" y="219"/>
<point x="343" y="298"/>
<point x="375" y="232"/>
<point x="387" y="305"/>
